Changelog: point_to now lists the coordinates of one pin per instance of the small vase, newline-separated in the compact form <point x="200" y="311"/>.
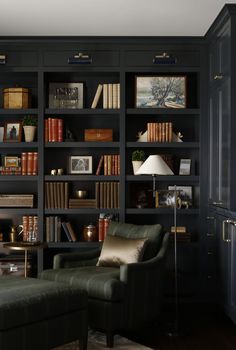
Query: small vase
<point x="29" y="132"/>
<point x="136" y="165"/>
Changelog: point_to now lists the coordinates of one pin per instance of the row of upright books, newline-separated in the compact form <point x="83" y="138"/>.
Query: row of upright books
<point x="30" y="228"/>
<point x="109" y="164"/>
<point x="53" y="230"/>
<point x="160" y="132"/>
<point x="27" y="164"/>
<point x="56" y="195"/>
<point x="110" y="94"/>
<point x="107" y="195"/>
<point x="53" y="130"/>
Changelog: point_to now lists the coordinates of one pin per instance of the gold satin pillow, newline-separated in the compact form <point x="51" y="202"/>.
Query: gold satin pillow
<point x="118" y="251"/>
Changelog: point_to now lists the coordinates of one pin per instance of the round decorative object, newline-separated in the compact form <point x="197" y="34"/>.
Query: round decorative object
<point x="81" y="194"/>
<point x="90" y="233"/>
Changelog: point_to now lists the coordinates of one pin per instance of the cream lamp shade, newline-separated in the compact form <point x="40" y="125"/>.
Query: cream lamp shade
<point x="154" y="165"/>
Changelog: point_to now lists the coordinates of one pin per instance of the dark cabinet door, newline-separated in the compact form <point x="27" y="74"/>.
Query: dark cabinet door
<point x="220" y="121"/>
<point x="226" y="238"/>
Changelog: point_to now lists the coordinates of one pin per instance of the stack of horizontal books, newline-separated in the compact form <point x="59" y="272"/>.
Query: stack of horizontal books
<point x="75" y="203"/>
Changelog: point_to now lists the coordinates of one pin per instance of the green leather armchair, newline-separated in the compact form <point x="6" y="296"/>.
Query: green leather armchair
<point x="119" y="298"/>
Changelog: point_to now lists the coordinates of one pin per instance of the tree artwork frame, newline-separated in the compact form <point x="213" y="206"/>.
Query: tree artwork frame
<point x="165" y="91"/>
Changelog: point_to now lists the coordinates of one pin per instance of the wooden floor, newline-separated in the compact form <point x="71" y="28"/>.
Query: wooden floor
<point x="201" y="328"/>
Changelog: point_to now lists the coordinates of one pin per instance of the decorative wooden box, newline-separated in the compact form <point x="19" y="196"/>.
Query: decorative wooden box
<point x="17" y="98"/>
<point x="17" y="200"/>
<point x="104" y="135"/>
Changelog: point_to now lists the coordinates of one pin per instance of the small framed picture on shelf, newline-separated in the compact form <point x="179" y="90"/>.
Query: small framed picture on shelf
<point x="160" y="91"/>
<point x="184" y="166"/>
<point x="184" y="196"/>
<point x="66" y="95"/>
<point x="164" y="198"/>
<point x="81" y="165"/>
<point x="12" y="132"/>
<point x="11" y="161"/>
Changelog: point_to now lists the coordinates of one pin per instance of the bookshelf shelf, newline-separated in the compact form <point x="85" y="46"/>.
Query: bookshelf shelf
<point x="79" y="211"/>
<point x="19" y="178"/>
<point x="83" y="111"/>
<point x="174" y="145"/>
<point x="163" y="111"/>
<point x="10" y="112"/>
<point x="19" y="211"/>
<point x="81" y="178"/>
<point x="82" y="145"/>
<point x="163" y="178"/>
<point x="164" y="211"/>
<point x="19" y="145"/>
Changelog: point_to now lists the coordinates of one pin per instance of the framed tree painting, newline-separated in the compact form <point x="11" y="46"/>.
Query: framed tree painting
<point x="160" y="92"/>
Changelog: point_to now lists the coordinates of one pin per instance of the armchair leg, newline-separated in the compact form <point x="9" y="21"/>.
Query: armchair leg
<point x="110" y="339"/>
<point x="83" y="342"/>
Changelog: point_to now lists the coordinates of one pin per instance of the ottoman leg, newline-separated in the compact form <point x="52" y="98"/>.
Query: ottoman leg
<point x="83" y="342"/>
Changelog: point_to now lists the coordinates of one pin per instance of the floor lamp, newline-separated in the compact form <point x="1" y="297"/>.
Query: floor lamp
<point x="154" y="165"/>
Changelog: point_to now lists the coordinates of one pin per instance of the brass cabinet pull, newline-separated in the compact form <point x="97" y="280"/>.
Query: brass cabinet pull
<point x="227" y="222"/>
<point x="3" y="58"/>
<point x="218" y="76"/>
<point x="217" y="203"/>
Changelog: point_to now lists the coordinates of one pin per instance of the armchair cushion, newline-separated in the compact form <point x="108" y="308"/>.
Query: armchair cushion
<point x="99" y="282"/>
<point x="153" y="234"/>
<point x="118" y="251"/>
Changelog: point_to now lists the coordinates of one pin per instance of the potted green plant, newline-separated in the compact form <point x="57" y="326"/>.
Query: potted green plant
<point x="138" y="157"/>
<point x="29" y="126"/>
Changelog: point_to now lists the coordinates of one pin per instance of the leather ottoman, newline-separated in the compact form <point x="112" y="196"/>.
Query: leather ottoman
<point x="39" y="314"/>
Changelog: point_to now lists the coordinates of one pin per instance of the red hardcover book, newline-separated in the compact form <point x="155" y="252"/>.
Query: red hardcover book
<point x="35" y="163"/>
<point x="105" y="164"/>
<point x="30" y="227"/>
<point x="25" y="222"/>
<point x="54" y="129"/>
<point x="106" y="224"/>
<point x="30" y="163"/>
<point x="101" y="229"/>
<point x="49" y="129"/>
<point x="46" y="130"/>
<point x="60" y="130"/>
<point x="24" y="163"/>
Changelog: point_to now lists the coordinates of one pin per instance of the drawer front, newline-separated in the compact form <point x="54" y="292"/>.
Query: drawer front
<point x="18" y="58"/>
<point x="98" y="58"/>
<point x="145" y="58"/>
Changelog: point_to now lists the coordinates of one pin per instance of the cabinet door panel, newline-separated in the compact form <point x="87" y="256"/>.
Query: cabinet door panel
<point x="20" y="58"/>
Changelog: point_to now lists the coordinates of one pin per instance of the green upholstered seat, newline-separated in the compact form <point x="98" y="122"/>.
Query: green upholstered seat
<point x="40" y="315"/>
<point x="99" y="283"/>
<point x="124" y="297"/>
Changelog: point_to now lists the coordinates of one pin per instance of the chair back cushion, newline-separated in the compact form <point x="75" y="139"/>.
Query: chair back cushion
<point x="118" y="251"/>
<point x="153" y="234"/>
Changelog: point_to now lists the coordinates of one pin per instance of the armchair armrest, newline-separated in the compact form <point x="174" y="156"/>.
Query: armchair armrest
<point x="145" y="267"/>
<point x="81" y="258"/>
<point x="144" y="286"/>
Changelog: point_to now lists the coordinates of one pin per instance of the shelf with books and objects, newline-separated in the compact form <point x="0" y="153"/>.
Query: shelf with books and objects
<point x="24" y="164"/>
<point x="82" y="90"/>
